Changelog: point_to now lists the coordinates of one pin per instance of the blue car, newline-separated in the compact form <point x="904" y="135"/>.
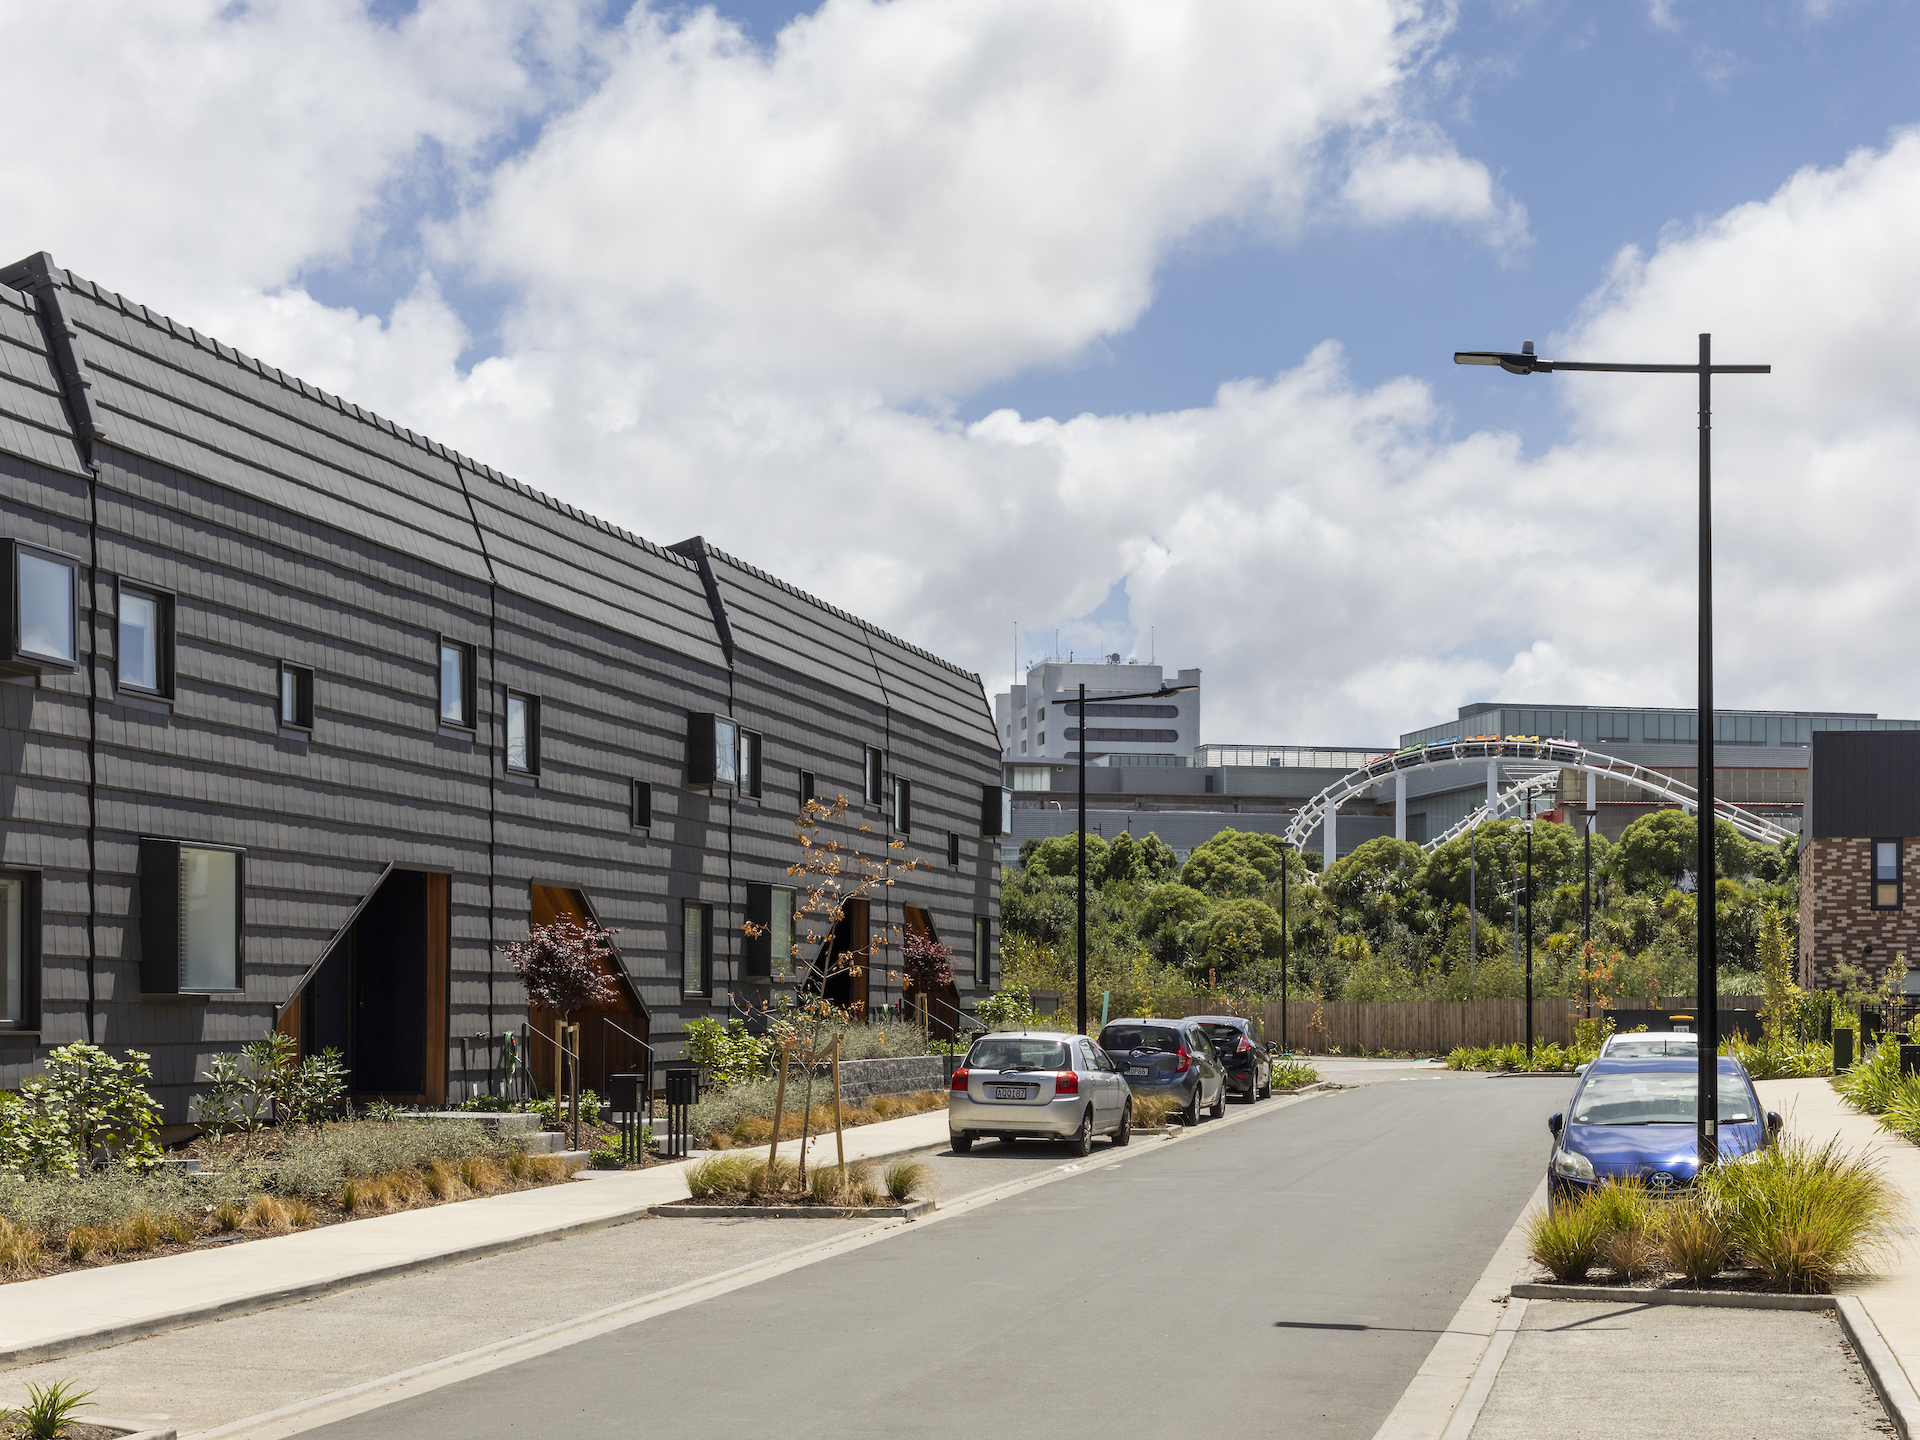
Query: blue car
<point x="1634" y="1117"/>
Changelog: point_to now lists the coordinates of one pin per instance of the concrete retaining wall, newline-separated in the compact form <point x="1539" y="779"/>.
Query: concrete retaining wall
<point x="861" y="1080"/>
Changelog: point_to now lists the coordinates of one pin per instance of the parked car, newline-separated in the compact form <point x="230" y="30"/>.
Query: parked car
<point x="1169" y="1057"/>
<point x="1635" y="1117"/>
<point x="1038" y="1084"/>
<point x="1248" y="1065"/>
<point x="1645" y="1044"/>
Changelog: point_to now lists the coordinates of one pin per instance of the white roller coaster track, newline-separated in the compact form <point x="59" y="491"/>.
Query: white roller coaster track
<point x="1522" y="750"/>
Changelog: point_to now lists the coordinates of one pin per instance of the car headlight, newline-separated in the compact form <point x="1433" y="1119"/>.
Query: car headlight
<point x="1572" y="1165"/>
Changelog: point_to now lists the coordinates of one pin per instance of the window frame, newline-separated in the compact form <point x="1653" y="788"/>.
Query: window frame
<point x="996" y="810"/>
<point x="163" y="939"/>
<point x="30" y="952"/>
<point x="1874" y="882"/>
<point x="469" y="688"/>
<point x="19" y="659"/>
<point x="750" y="772"/>
<point x="805" y="788"/>
<point x="873" y="780"/>
<point x="703" y="962"/>
<point x="983" y="952"/>
<point x="953" y="849"/>
<point x="903" y="804"/>
<point x="302" y="676"/>
<point x="531" y="710"/>
<point x="640" y="804"/>
<point x="713" y="750"/>
<point x="763" y="957"/>
<point x="163" y="610"/>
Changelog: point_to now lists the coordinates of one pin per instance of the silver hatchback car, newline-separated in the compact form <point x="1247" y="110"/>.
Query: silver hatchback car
<point x="1041" y="1084"/>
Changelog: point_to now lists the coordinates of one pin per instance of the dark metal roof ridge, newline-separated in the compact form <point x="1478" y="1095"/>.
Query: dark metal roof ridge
<point x="695" y="549"/>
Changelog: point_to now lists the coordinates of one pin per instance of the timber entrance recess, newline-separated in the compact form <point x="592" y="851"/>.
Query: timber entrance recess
<point x="379" y="993"/>
<point x="613" y="1038"/>
<point x="840" y="971"/>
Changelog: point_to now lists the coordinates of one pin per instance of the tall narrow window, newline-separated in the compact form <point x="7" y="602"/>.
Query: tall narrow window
<point x="982" y="952"/>
<point x="523" y="733"/>
<point x="806" y="788"/>
<point x="749" y="763"/>
<point x="144" y="640"/>
<point x="209" y="919"/>
<point x="780" y="935"/>
<point x="17" y="942"/>
<point x="696" y="949"/>
<point x="1886" y="875"/>
<point x="640" y="802"/>
<point x="296" y="697"/>
<point x="876" y="772"/>
<point x="456" y="684"/>
<point x="953" y="850"/>
<point x="902" y="805"/>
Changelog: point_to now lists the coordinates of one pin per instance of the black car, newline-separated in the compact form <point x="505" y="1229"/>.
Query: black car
<point x="1169" y="1057"/>
<point x="1249" y="1068"/>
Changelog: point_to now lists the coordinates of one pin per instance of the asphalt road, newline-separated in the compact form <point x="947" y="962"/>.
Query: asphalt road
<point x="1284" y="1276"/>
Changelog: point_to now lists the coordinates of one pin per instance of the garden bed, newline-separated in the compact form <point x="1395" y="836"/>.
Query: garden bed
<point x="254" y="1187"/>
<point x="791" y="1207"/>
<point x="742" y="1117"/>
<point x="73" y="1430"/>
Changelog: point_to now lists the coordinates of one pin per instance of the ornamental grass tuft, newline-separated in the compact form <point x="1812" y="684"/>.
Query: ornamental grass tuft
<point x="1805" y="1214"/>
<point x="1566" y="1239"/>
<point x="1150" y="1112"/>
<point x="1292" y="1074"/>
<point x="906" y="1178"/>
<point x="1694" y="1238"/>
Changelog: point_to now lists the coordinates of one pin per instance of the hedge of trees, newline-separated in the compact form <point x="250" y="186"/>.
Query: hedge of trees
<point x="1390" y="921"/>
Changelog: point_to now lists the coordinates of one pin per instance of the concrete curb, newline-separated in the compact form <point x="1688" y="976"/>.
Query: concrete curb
<point x="1467" y="1413"/>
<point x="1627" y="1295"/>
<point x="1883" y="1367"/>
<point x="127" y="1430"/>
<point x="792" y="1212"/>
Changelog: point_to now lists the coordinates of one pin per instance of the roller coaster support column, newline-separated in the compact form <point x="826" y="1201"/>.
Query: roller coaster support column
<point x="1399" y="804"/>
<point x="1333" y="851"/>
<point x="1493" y="787"/>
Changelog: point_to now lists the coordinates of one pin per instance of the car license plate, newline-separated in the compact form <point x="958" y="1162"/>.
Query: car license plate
<point x="1137" y="1069"/>
<point x="1009" y="1092"/>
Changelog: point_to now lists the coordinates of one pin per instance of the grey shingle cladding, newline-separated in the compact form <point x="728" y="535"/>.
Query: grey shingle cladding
<point x="298" y="526"/>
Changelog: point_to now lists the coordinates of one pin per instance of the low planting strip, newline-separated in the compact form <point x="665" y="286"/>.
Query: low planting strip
<point x="1629" y="1294"/>
<point x="685" y="1210"/>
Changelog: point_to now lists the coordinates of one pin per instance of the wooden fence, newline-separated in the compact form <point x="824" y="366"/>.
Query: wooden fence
<point x="1420" y="1027"/>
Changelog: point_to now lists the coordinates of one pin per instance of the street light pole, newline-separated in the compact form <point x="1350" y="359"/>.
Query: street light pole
<point x="1706" y="976"/>
<point x="1529" y="829"/>
<point x="1286" y="951"/>
<point x="1080" y="713"/>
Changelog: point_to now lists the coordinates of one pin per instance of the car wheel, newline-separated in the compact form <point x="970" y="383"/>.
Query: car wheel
<point x="961" y="1144"/>
<point x="1082" y="1141"/>
<point x="1190" y="1117"/>
<point x="1220" y="1105"/>
<point x="1125" y="1132"/>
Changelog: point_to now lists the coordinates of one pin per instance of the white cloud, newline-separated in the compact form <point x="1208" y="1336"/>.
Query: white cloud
<point x="741" y="284"/>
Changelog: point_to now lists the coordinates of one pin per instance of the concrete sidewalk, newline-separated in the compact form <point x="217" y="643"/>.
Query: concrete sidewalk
<point x="84" y="1309"/>
<point x="1891" y="1299"/>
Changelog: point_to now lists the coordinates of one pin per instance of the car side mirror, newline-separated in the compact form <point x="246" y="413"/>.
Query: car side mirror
<point x="1554" y="1123"/>
<point x="1774" y="1122"/>
<point x="1579" y="1069"/>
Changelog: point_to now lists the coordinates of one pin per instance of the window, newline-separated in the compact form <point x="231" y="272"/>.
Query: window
<point x="296" y="697"/>
<point x="953" y="850"/>
<point x="996" y="810"/>
<point x="768" y="954"/>
<point x="190" y="917"/>
<point x="456" y="684"/>
<point x="982" y="952"/>
<point x="806" y="788"/>
<point x="876" y="768"/>
<point x="144" y="640"/>
<point x="696" y="949"/>
<point x="1886" y="874"/>
<point x="19" y="951"/>
<point x="1043" y="713"/>
<point x="523" y="733"/>
<point x="749" y="763"/>
<point x="1043" y="738"/>
<point x="903" y="805"/>
<point x="713" y="752"/>
<point x="43" y="598"/>
<point x="640" y="806"/>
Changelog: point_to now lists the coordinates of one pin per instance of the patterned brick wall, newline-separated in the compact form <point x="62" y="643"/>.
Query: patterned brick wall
<point x="1837" y="918"/>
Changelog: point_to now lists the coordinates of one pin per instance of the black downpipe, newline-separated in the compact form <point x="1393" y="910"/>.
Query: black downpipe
<point x="493" y="748"/>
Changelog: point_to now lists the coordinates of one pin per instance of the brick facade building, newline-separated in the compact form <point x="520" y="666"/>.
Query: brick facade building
<point x="1860" y="837"/>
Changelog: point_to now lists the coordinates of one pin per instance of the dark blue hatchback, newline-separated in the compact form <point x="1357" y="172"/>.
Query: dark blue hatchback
<point x="1633" y="1118"/>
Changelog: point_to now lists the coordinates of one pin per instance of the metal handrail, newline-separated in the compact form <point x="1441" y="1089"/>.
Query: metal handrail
<point x="646" y="1100"/>
<point x="526" y="1029"/>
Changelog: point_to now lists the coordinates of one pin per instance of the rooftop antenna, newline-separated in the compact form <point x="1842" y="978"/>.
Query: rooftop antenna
<point x="1153" y="647"/>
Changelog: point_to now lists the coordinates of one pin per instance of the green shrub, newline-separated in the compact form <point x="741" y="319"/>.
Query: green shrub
<point x="270" y="1079"/>
<point x="906" y="1178"/>
<point x="1629" y="1244"/>
<point x="1008" y="1009"/>
<point x="53" y="1205"/>
<point x="48" y="1408"/>
<point x="87" y="1106"/>
<point x="1292" y="1074"/>
<point x="1566" y="1239"/>
<point x="1781" y="1060"/>
<point x="1872" y="1084"/>
<point x="1804" y="1214"/>
<point x="728" y="1052"/>
<point x="1546" y="1056"/>
<point x="725" y="1174"/>
<point x="316" y="1162"/>
<point x="1694" y="1238"/>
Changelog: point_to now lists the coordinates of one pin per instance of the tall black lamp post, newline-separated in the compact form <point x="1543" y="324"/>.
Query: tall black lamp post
<point x="1529" y="829"/>
<point x="1080" y="712"/>
<point x="1706" y="978"/>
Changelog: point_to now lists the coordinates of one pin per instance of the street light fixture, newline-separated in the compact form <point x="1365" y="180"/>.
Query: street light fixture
<point x="1706" y="978"/>
<point x="1080" y="711"/>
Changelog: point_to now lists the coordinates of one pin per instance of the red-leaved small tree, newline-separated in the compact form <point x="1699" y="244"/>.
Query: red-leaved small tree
<point x="560" y="964"/>
<point x="927" y="962"/>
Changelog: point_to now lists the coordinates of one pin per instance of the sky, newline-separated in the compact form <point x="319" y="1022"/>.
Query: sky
<point x="1089" y="326"/>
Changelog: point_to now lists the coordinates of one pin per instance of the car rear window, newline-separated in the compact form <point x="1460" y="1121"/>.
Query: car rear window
<point x="1662" y="1098"/>
<point x="1008" y="1054"/>
<point x="1124" y="1039"/>
<point x="1224" y="1037"/>
<point x="1637" y="1049"/>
